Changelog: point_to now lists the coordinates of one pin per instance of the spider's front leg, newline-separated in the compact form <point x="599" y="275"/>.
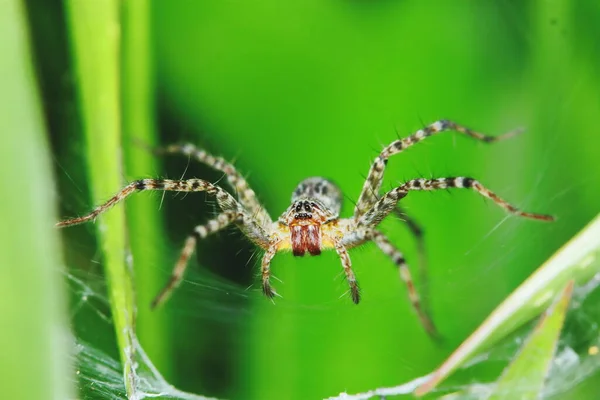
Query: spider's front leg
<point x="389" y="200"/>
<point x="265" y="269"/>
<point x="347" y="265"/>
<point x="233" y="211"/>
<point x="370" y="191"/>
<point x="224" y="199"/>
<point x="340" y="249"/>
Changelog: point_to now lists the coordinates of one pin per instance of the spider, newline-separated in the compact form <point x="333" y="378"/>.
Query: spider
<point x="312" y="222"/>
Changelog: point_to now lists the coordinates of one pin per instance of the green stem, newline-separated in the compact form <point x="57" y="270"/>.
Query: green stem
<point x="142" y="212"/>
<point x="95" y="41"/>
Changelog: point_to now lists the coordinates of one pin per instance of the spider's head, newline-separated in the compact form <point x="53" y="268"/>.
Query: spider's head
<point x="314" y="202"/>
<point x="319" y="191"/>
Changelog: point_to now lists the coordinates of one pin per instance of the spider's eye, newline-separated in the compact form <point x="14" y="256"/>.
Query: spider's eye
<point x="298" y="207"/>
<point x="307" y="207"/>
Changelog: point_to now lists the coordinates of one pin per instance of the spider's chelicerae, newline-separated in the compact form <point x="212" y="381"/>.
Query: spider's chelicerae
<point x="312" y="222"/>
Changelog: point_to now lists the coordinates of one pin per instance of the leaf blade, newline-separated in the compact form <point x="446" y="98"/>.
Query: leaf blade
<point x="95" y="46"/>
<point x="578" y="259"/>
<point x="524" y="377"/>
<point x="33" y="310"/>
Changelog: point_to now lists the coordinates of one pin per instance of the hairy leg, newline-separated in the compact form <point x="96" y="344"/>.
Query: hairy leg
<point x="200" y="232"/>
<point x="370" y="190"/>
<point x="417" y="232"/>
<point x="265" y="268"/>
<point x="247" y="223"/>
<point x="388" y="201"/>
<point x="347" y="265"/>
<point x="388" y="249"/>
<point x="245" y="194"/>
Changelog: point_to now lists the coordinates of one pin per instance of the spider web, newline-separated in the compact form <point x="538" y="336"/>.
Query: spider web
<point x="99" y="373"/>
<point x="576" y="358"/>
<point x="100" y="376"/>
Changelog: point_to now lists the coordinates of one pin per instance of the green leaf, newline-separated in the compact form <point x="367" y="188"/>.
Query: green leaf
<point x="143" y="218"/>
<point x="578" y="260"/>
<point x="34" y="362"/>
<point x="524" y="377"/>
<point x="95" y="42"/>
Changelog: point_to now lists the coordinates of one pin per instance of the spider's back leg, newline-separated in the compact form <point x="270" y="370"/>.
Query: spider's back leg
<point x="417" y="232"/>
<point x="200" y="232"/>
<point x="388" y="249"/>
<point x="245" y="194"/>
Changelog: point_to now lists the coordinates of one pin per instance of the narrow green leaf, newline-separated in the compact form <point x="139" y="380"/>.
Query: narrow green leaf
<point x="143" y="220"/>
<point x="579" y="260"/>
<point x="524" y="377"/>
<point x="34" y="359"/>
<point x="95" y="41"/>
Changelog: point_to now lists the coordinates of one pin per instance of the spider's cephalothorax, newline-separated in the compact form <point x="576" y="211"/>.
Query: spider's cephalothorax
<point x="311" y="223"/>
<point x="321" y="189"/>
<point x="315" y="202"/>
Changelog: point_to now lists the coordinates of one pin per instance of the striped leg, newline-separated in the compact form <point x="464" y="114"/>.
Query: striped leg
<point x="252" y="228"/>
<point x="384" y="244"/>
<point x="265" y="268"/>
<point x="417" y="232"/>
<point x="200" y="232"/>
<point x="245" y="194"/>
<point x="370" y="190"/>
<point x="347" y="265"/>
<point x="387" y="202"/>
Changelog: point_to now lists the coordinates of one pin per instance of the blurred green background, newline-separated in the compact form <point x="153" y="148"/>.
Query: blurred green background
<point x="313" y="88"/>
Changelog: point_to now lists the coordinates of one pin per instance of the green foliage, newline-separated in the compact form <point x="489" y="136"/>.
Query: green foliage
<point x="524" y="377"/>
<point x="34" y="335"/>
<point x="578" y="261"/>
<point x="144" y="223"/>
<point x="302" y="89"/>
<point x="95" y="43"/>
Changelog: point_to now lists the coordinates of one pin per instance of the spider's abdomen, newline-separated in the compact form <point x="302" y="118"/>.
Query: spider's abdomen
<point x="306" y="238"/>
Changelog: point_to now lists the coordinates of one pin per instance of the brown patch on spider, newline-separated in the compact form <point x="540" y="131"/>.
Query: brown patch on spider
<point x="306" y="238"/>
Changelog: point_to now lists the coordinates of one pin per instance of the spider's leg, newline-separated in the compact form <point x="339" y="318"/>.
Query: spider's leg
<point x="122" y="195"/>
<point x="388" y="201"/>
<point x="245" y="194"/>
<point x="200" y="232"/>
<point x="372" y="185"/>
<point x="342" y="252"/>
<point x="388" y="249"/>
<point x="417" y="232"/>
<point x="413" y="225"/>
<point x="252" y="228"/>
<point x="265" y="268"/>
